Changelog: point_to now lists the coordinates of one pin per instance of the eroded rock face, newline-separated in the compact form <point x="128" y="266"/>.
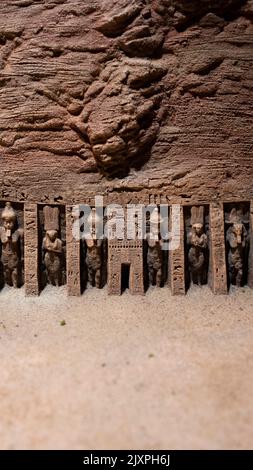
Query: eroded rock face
<point x="104" y="88"/>
<point x="124" y="117"/>
<point x="123" y="106"/>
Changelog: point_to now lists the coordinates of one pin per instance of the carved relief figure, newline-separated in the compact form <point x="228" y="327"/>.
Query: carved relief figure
<point x="52" y="246"/>
<point x="11" y="240"/>
<point x="236" y="238"/>
<point x="94" y="251"/>
<point x="198" y="243"/>
<point x="155" y="252"/>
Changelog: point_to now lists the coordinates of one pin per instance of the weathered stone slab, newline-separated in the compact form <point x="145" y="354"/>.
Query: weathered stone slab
<point x="218" y="270"/>
<point x="31" y="249"/>
<point x="73" y="261"/>
<point x="177" y="260"/>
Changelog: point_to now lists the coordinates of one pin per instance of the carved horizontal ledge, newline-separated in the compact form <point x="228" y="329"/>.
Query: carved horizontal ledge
<point x="129" y="198"/>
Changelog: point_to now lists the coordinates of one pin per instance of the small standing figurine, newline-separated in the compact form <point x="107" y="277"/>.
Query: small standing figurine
<point x="11" y="241"/>
<point x="155" y="252"/>
<point x="94" y="252"/>
<point x="236" y="237"/>
<point x="52" y="246"/>
<point x="198" y="242"/>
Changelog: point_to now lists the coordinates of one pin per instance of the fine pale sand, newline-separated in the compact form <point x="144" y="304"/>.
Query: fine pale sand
<point x="151" y="372"/>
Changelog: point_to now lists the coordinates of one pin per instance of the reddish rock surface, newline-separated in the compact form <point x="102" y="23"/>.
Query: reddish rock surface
<point x="150" y="97"/>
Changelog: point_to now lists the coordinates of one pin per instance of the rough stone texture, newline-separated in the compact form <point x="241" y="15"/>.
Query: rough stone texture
<point x="218" y="271"/>
<point x="31" y="249"/>
<point x="138" y="100"/>
<point x="177" y="262"/>
<point x="73" y="261"/>
<point x="91" y="90"/>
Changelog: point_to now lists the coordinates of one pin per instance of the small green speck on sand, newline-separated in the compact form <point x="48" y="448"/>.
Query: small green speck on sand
<point x="63" y="323"/>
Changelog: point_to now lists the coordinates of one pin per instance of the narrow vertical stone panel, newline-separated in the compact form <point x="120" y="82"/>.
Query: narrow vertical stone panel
<point x="73" y="261"/>
<point x="177" y="259"/>
<point x="114" y="270"/>
<point x="250" y="274"/>
<point x="136" y="281"/>
<point x="31" y="249"/>
<point x="218" y="270"/>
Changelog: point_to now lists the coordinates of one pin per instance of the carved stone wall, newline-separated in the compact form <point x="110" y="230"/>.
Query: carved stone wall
<point x="125" y="96"/>
<point x="228" y="231"/>
<point x="141" y="101"/>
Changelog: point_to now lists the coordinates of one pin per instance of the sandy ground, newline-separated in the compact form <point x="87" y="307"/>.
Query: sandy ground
<point x="153" y="372"/>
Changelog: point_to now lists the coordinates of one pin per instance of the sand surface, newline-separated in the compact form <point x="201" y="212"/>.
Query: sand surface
<point x="152" y="372"/>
